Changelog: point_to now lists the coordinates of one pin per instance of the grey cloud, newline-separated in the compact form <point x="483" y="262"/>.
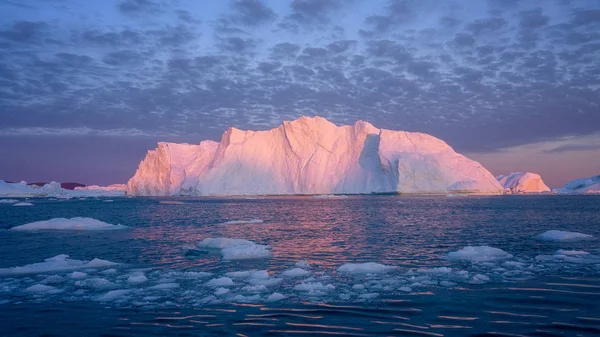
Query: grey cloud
<point x="74" y="59"/>
<point x="237" y="45"/>
<point x="187" y="17"/>
<point x="310" y="12"/>
<point x="463" y="40"/>
<point x="252" y="12"/>
<point x="124" y="37"/>
<point x="176" y="36"/>
<point x="137" y="6"/>
<point x="341" y="46"/>
<point x="533" y="19"/>
<point x="24" y="31"/>
<point x="484" y="26"/>
<point x="285" y="50"/>
<point x="122" y="57"/>
<point x="586" y="17"/>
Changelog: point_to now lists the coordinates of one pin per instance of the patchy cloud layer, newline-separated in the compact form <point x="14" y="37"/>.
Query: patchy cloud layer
<point x="481" y="74"/>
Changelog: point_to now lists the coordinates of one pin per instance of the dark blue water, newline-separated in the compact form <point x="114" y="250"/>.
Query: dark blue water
<point x="537" y="292"/>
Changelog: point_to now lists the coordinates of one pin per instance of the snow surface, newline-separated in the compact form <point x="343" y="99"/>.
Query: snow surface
<point x="236" y="249"/>
<point x="479" y="254"/>
<point x="522" y="182"/>
<point x="589" y="185"/>
<point x="64" y="224"/>
<point x="310" y="156"/>
<point x="556" y="235"/>
<point x="57" y="263"/>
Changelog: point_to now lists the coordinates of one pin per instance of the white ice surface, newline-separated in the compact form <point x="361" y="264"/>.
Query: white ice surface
<point x="479" y="254"/>
<point x="556" y="235"/>
<point x="72" y="224"/>
<point x="364" y="268"/>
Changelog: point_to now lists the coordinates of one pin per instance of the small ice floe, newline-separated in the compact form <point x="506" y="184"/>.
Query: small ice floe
<point x="479" y="254"/>
<point x="114" y="295"/>
<point x="220" y="282"/>
<point x="302" y="264"/>
<point x="55" y="264"/>
<point x="237" y="249"/>
<point x="64" y="224"/>
<point x="8" y="201"/>
<point x="314" y="287"/>
<point x="41" y="288"/>
<point x="243" y="222"/>
<point x="556" y="235"/>
<point x="21" y="204"/>
<point x="137" y="279"/>
<point x="365" y="268"/>
<point x="570" y="256"/>
<point x="274" y="297"/>
<point x="295" y="272"/>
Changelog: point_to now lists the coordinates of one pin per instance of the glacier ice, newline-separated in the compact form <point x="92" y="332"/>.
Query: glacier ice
<point x="310" y="156"/>
<point x="556" y="235"/>
<point x="72" y="224"/>
<point x="53" y="189"/>
<point x="522" y="182"/>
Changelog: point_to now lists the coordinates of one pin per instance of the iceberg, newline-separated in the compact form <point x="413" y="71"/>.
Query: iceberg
<point x="64" y="224"/>
<point x="556" y="235"/>
<point x="58" y="263"/>
<point x="310" y="156"/>
<point x="522" y="182"/>
<point x="54" y="189"/>
<point x="589" y="185"/>
<point x="236" y="249"/>
<point x="364" y="268"/>
<point x="479" y="254"/>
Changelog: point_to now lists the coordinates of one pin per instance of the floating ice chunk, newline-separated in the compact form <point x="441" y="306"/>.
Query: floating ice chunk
<point x="556" y="235"/>
<point x="364" y="268"/>
<point x="405" y="289"/>
<point x="265" y="282"/>
<point x="246" y="299"/>
<point x="73" y="224"/>
<point x="313" y="287"/>
<point x="221" y="291"/>
<point x="165" y="286"/>
<point x="54" y="279"/>
<point x="274" y="297"/>
<point x="242" y="222"/>
<point x="447" y="284"/>
<point x="137" y="279"/>
<point x="295" y="272"/>
<point x="220" y="243"/>
<point x="302" y="264"/>
<point x="96" y="283"/>
<point x="479" y="279"/>
<point x="246" y="252"/>
<point x="109" y="272"/>
<point x="99" y="263"/>
<point x="369" y="296"/>
<point x="255" y="288"/>
<point x="114" y="295"/>
<point x="259" y="274"/>
<point x="20" y="204"/>
<point x="479" y="254"/>
<point x="572" y="256"/>
<point x="55" y="264"/>
<point x="219" y="282"/>
<point x="8" y="201"/>
<point x="76" y="275"/>
<point x="239" y="274"/>
<point x="358" y="287"/>
<point x="41" y="288"/>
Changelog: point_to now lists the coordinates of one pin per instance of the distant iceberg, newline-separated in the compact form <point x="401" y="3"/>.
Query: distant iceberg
<point x="522" y="182"/>
<point x="311" y="156"/>
<point x="64" y="224"/>
<point x="556" y="235"/>
<point x="589" y="185"/>
<point x="54" y="189"/>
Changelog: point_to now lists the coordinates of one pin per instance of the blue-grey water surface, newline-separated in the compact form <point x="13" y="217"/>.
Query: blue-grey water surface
<point x="523" y="295"/>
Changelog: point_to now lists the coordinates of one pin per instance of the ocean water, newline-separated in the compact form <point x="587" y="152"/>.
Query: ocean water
<point x="164" y="284"/>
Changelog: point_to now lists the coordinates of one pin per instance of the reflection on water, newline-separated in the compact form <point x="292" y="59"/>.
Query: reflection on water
<point x="537" y="298"/>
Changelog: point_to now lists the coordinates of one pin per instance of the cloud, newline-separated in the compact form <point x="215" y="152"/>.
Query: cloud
<point x="574" y="147"/>
<point x="252" y="12"/>
<point x="24" y="31"/>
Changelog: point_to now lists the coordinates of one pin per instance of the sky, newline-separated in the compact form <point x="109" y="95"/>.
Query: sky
<point x="87" y="87"/>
